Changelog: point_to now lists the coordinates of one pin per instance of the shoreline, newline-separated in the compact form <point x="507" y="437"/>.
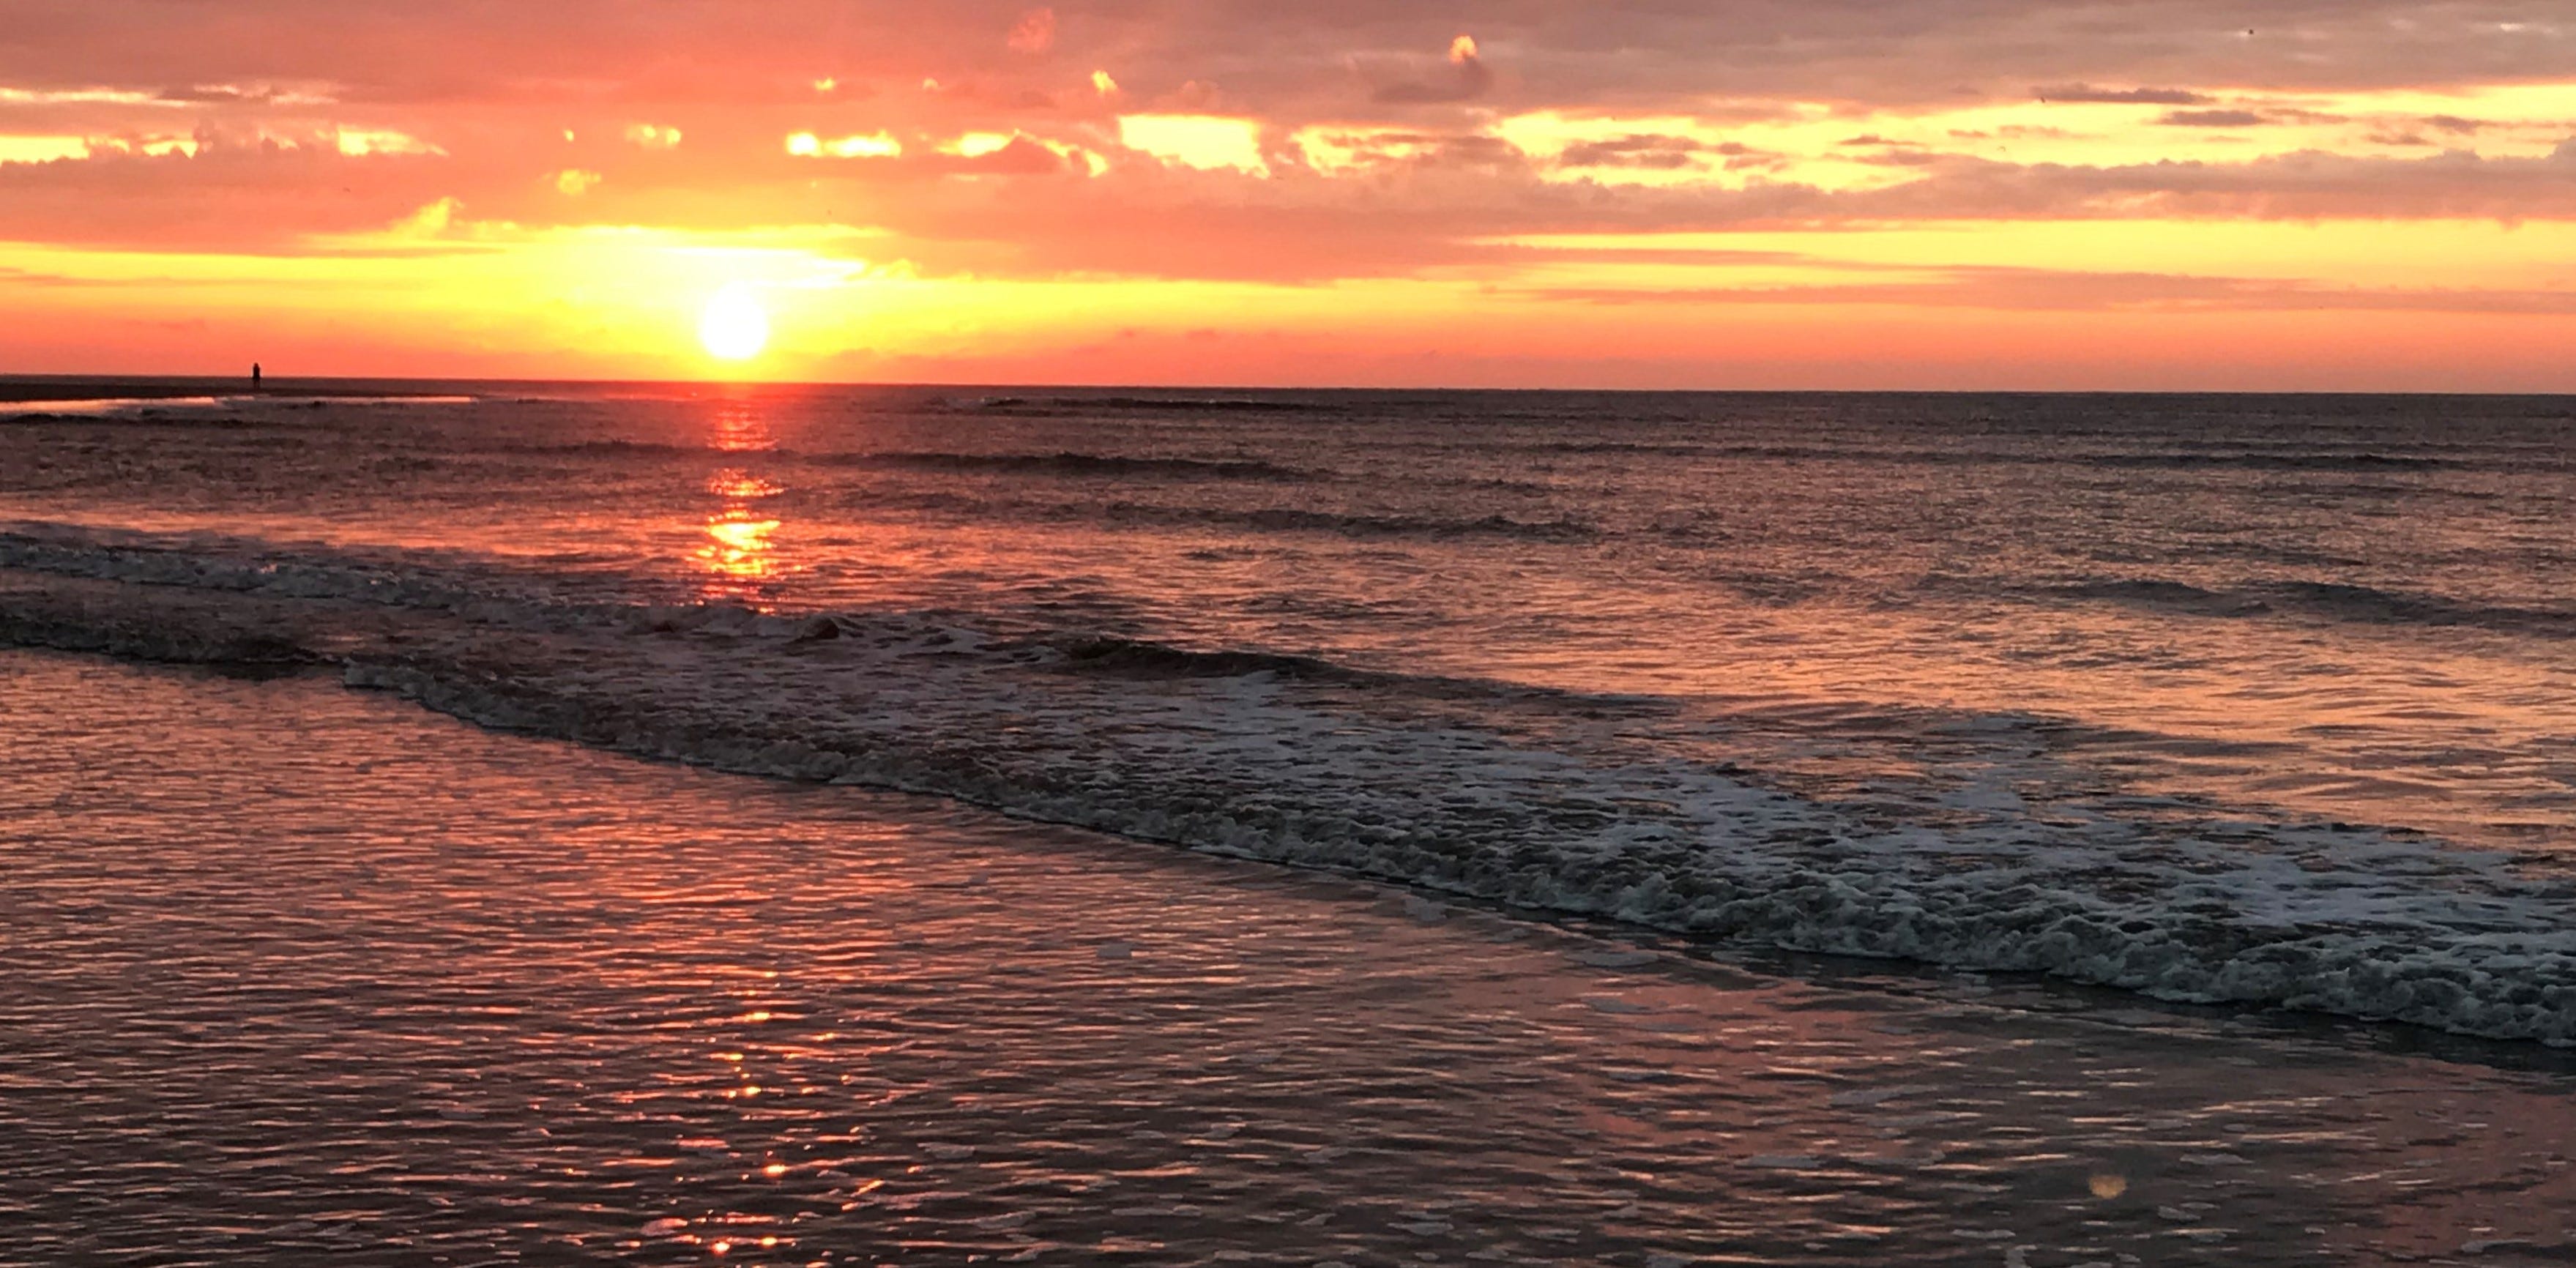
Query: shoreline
<point x="46" y="391"/>
<point x="829" y="1017"/>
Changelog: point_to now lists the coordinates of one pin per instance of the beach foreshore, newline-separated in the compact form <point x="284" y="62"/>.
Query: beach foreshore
<point x="589" y="1005"/>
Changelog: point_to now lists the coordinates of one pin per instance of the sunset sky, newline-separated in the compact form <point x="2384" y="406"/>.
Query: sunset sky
<point x="1825" y="193"/>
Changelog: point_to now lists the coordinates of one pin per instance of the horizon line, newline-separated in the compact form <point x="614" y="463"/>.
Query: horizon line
<point x="277" y="385"/>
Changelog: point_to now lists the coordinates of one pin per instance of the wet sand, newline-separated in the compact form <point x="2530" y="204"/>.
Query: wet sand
<point x="294" y="972"/>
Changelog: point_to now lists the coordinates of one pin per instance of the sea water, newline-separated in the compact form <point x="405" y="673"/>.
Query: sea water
<point x="2264" y="701"/>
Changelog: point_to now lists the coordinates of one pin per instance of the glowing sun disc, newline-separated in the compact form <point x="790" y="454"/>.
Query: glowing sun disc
<point x="734" y="328"/>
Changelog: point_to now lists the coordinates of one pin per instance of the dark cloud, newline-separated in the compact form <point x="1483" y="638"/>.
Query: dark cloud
<point x="2070" y="290"/>
<point x="2213" y="119"/>
<point x="2306" y="185"/>
<point x="1650" y="151"/>
<point x="2127" y="96"/>
<point x="1288" y="63"/>
<point x="1034" y="33"/>
<point x="1464" y="79"/>
<point x="1473" y="151"/>
<point x="235" y="94"/>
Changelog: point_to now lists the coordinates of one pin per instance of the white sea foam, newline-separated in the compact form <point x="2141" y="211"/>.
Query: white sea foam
<point x="1257" y="761"/>
<point x="140" y="407"/>
<point x="107" y="406"/>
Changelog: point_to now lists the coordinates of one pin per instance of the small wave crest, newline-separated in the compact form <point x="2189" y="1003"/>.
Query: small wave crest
<point x="2322" y="600"/>
<point x="607" y="447"/>
<point x="2369" y="604"/>
<point x="1065" y="463"/>
<point x="1116" y="656"/>
<point x="1046" y="406"/>
<point x="1110" y="655"/>
<point x="1280" y="519"/>
<point x="1069" y="463"/>
<point x="2168" y="595"/>
<point x="2280" y="461"/>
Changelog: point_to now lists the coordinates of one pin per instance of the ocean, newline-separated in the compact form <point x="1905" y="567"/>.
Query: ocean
<point x="2189" y="735"/>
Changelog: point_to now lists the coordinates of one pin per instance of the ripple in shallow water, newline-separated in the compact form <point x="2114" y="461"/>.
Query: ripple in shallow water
<point x="295" y="973"/>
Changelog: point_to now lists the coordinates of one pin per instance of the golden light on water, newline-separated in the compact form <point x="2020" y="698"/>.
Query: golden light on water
<point x="737" y="551"/>
<point x="739" y="547"/>
<point x="734" y="326"/>
<point x="738" y="485"/>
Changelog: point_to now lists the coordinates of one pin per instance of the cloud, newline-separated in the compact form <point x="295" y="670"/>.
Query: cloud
<point x="1034" y="33"/>
<point x="1651" y="151"/>
<point x="252" y="94"/>
<point x="1691" y="119"/>
<point x="1286" y="58"/>
<point x="857" y="145"/>
<point x="363" y="141"/>
<point x="2212" y="119"/>
<point x="1466" y="78"/>
<point x="1203" y="142"/>
<point x="2077" y="290"/>
<point x="2081" y="93"/>
<point x="653" y="136"/>
<point x="2305" y="185"/>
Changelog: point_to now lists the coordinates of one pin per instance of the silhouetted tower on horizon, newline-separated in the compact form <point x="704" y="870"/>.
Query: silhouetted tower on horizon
<point x="254" y="376"/>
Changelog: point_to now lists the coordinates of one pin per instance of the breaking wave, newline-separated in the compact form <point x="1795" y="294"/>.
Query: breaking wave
<point x="1300" y="761"/>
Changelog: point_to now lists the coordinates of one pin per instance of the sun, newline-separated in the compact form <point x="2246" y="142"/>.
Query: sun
<point x="734" y="327"/>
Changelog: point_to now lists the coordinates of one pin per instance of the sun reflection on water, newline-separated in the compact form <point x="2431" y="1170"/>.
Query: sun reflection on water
<point x="740" y="427"/>
<point x="739" y="546"/>
<point x="739" y="552"/>
<point x="739" y="485"/>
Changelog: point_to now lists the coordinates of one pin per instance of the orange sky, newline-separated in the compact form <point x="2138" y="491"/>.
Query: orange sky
<point x="1828" y="193"/>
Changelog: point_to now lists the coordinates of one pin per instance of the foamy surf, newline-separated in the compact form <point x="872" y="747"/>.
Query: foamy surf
<point x="1297" y="762"/>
